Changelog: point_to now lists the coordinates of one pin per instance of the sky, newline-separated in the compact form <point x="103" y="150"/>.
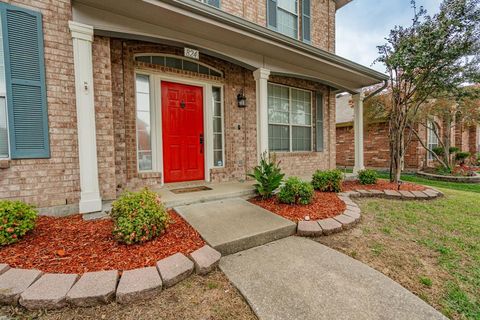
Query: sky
<point x="362" y="25"/>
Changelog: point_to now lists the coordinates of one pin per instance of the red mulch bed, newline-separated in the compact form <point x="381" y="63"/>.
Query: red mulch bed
<point x="72" y="245"/>
<point x="381" y="185"/>
<point x="324" y="205"/>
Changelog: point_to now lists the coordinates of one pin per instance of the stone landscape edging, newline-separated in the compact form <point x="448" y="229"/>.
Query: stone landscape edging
<point x="352" y="214"/>
<point x="460" y="179"/>
<point x="34" y="290"/>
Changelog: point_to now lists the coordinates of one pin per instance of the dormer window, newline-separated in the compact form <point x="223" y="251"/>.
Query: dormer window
<point x="213" y="3"/>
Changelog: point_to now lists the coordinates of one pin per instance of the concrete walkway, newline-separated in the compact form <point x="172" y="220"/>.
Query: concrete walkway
<point x="297" y="278"/>
<point x="233" y="225"/>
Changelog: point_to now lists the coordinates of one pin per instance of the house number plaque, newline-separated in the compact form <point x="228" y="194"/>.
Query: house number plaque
<point x="191" y="53"/>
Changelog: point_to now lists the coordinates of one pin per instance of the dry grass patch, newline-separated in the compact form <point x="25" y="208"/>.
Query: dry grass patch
<point x="210" y="297"/>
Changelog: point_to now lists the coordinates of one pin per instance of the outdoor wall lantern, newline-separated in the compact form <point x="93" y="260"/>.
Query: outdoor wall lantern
<point x="242" y="100"/>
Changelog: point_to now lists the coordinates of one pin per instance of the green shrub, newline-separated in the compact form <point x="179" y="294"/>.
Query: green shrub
<point x="138" y="217"/>
<point x="439" y="151"/>
<point x="16" y="219"/>
<point x="368" y="176"/>
<point x="268" y="176"/>
<point x="296" y="191"/>
<point x="327" y="181"/>
<point x="453" y="150"/>
<point x="462" y="156"/>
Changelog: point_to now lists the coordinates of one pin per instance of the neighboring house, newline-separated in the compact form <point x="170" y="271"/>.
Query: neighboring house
<point x="376" y="142"/>
<point x="105" y="96"/>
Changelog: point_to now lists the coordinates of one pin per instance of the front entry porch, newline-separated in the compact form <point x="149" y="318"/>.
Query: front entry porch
<point x="243" y="116"/>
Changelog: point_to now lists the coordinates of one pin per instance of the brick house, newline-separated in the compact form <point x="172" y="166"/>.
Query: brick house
<point x="98" y="97"/>
<point x="376" y="149"/>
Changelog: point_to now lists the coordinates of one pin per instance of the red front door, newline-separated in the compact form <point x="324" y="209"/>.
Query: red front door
<point x="183" y="138"/>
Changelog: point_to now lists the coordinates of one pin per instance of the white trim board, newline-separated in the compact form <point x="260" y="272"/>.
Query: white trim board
<point x="156" y="79"/>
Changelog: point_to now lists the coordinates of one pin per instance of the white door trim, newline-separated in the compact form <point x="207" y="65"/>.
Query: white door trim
<point x="157" y="144"/>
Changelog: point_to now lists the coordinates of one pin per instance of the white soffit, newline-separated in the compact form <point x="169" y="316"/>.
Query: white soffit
<point x="153" y="19"/>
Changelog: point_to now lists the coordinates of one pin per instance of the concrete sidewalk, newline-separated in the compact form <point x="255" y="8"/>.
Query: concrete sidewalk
<point x="297" y="278"/>
<point x="233" y="225"/>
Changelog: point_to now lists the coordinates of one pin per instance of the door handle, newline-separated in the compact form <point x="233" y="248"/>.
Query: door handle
<point x="201" y="142"/>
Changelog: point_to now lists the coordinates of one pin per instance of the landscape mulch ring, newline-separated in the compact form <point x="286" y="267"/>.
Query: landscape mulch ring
<point x="72" y="245"/>
<point x="324" y="205"/>
<point x="381" y="185"/>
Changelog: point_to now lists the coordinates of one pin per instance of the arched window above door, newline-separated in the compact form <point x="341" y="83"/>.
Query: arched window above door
<point x="180" y="63"/>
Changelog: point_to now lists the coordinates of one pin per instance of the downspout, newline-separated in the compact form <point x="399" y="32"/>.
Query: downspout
<point x="385" y="84"/>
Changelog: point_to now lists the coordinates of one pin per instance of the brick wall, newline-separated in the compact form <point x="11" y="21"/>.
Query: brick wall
<point x="473" y="141"/>
<point x="54" y="181"/>
<point x="102" y="74"/>
<point x="322" y="19"/>
<point x="376" y="147"/>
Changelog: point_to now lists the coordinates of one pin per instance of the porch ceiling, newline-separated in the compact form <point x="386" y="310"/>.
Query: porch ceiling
<point x="214" y="32"/>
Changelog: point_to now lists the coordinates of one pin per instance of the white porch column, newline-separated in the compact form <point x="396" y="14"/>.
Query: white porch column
<point x="82" y="35"/>
<point x="358" y="131"/>
<point x="261" y="79"/>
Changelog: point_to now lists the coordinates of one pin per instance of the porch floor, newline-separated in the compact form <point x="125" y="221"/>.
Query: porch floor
<point x="218" y="191"/>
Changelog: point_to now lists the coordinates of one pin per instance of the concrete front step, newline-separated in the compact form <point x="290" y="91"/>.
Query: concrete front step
<point x="219" y="191"/>
<point x="233" y="225"/>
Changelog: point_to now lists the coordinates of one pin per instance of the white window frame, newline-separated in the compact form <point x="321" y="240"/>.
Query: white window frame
<point x="290" y="124"/>
<point x="182" y="59"/>
<point x="156" y="78"/>
<point x="297" y="36"/>
<point x="430" y="135"/>
<point x="206" y="2"/>
<point x="7" y="125"/>
<point x="222" y="117"/>
<point x="153" y="123"/>
<point x="4" y="95"/>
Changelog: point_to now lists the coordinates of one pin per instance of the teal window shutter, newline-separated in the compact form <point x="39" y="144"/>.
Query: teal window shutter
<point x="319" y="122"/>
<point x="272" y="14"/>
<point x="306" y="21"/>
<point x="25" y="79"/>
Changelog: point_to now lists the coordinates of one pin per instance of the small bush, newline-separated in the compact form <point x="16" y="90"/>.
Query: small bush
<point x="462" y="156"/>
<point x="268" y="176"/>
<point x="138" y="217"/>
<point x="327" y="181"/>
<point x="439" y="151"/>
<point x="368" y="176"/>
<point x="453" y="150"/>
<point x="16" y="219"/>
<point x="296" y="191"/>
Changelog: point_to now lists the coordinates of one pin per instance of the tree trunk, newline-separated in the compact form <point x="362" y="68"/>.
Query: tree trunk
<point x="397" y="145"/>
<point x="447" y="141"/>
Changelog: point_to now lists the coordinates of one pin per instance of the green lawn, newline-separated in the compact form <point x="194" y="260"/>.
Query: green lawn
<point x="430" y="247"/>
<point x="471" y="187"/>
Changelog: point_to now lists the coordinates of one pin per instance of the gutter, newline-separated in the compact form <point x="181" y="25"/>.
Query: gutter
<point x="242" y="24"/>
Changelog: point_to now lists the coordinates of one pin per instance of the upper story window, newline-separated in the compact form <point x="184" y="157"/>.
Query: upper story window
<point x="214" y="3"/>
<point x="179" y="63"/>
<point x="283" y="16"/>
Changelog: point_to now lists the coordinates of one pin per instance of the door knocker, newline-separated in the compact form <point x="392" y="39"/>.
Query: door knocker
<point x="182" y="104"/>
